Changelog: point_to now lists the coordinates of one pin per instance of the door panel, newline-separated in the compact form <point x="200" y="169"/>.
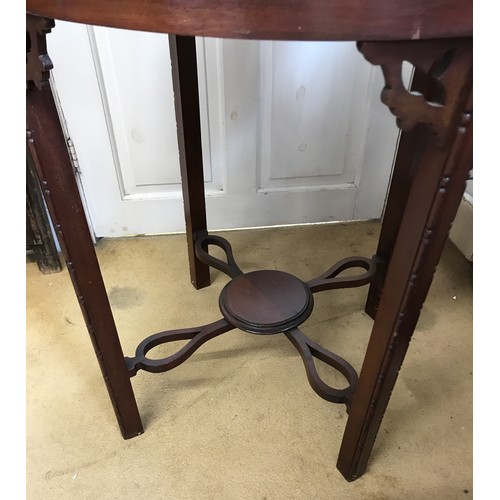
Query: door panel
<point x="134" y="73"/>
<point x="297" y="88"/>
<point x="288" y="130"/>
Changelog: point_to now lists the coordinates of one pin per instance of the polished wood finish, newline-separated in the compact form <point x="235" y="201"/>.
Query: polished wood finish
<point x="55" y="172"/>
<point x="308" y="350"/>
<point x="187" y="112"/>
<point x="433" y="199"/>
<point x="47" y="145"/>
<point x="423" y="233"/>
<point x="273" y="19"/>
<point x="263" y="303"/>
<point x="407" y="160"/>
<point x="431" y="169"/>
<point x="409" y="153"/>
<point x="444" y="62"/>
<point x="266" y="302"/>
<point x="197" y="337"/>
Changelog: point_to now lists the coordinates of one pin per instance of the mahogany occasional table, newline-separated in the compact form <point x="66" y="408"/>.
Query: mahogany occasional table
<point x="433" y="161"/>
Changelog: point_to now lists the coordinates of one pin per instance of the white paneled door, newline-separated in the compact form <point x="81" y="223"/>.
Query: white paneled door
<point x="293" y="132"/>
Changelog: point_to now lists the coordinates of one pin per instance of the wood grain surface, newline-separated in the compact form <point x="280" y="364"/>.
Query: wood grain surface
<point x="273" y="19"/>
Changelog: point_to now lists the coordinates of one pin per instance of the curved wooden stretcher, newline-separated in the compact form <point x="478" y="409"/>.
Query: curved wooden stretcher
<point x="431" y="168"/>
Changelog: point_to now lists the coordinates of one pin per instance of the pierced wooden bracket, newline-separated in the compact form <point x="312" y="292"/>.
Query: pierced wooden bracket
<point x="38" y="63"/>
<point x="448" y="67"/>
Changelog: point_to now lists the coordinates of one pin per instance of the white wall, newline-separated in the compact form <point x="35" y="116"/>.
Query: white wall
<point x="461" y="233"/>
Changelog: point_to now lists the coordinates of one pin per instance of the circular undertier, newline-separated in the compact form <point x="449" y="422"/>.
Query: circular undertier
<point x="266" y="302"/>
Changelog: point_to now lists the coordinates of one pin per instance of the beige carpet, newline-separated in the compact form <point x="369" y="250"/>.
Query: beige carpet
<point x="239" y="420"/>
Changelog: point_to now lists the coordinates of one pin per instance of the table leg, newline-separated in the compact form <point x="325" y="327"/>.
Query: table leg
<point x="433" y="199"/>
<point x="404" y="167"/>
<point x="55" y="172"/>
<point x="407" y="158"/>
<point x="187" y="110"/>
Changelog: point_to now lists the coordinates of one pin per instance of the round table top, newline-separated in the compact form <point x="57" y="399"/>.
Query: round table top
<point x="272" y="19"/>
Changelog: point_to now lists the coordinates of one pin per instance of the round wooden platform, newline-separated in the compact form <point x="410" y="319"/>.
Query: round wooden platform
<point x="266" y="302"/>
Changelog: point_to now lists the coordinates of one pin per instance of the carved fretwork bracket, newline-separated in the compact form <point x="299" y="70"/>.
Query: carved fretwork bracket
<point x="446" y="68"/>
<point x="38" y="63"/>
